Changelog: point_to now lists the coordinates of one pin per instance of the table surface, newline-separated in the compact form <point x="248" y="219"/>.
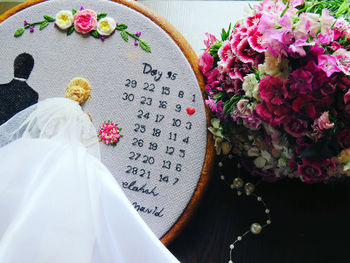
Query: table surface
<point x="310" y="222"/>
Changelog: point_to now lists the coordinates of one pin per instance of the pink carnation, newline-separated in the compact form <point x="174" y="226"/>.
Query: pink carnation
<point x="245" y="53"/>
<point x="210" y="41"/>
<point x="313" y="171"/>
<point x="320" y="124"/>
<point x="347" y="97"/>
<point x="225" y="52"/>
<point x="205" y="62"/>
<point x="295" y="126"/>
<point x="85" y="21"/>
<point x="300" y="81"/>
<point x="274" y="115"/>
<point x="328" y="64"/>
<point x="305" y="106"/>
<point x="342" y="57"/>
<point x="272" y="90"/>
<point x="255" y="41"/>
<point x="254" y="20"/>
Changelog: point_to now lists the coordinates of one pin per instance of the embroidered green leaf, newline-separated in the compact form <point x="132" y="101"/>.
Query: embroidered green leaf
<point x="121" y="27"/>
<point x="95" y="34"/>
<point x="43" y="25"/>
<point x="101" y="15"/>
<point x="19" y="32"/>
<point x="49" y="18"/>
<point x="74" y="11"/>
<point x="70" y="30"/>
<point x="145" y="46"/>
<point x="124" y="35"/>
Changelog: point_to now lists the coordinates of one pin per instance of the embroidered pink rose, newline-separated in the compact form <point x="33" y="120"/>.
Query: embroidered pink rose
<point x="85" y="21"/>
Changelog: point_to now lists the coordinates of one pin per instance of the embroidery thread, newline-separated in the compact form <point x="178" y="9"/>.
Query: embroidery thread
<point x="86" y="21"/>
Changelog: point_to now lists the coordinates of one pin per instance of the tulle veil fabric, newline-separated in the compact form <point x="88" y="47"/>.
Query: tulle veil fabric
<point x="58" y="202"/>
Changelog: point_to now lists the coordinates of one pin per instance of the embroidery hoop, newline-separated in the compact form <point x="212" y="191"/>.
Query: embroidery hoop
<point x="192" y="59"/>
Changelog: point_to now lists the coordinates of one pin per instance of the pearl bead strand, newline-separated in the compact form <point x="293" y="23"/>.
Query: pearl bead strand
<point x="239" y="187"/>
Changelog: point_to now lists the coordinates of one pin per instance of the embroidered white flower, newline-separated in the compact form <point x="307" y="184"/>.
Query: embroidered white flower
<point x="64" y="19"/>
<point x="106" y="26"/>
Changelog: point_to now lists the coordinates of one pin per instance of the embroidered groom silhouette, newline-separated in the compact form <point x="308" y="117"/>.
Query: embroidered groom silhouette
<point x="17" y="95"/>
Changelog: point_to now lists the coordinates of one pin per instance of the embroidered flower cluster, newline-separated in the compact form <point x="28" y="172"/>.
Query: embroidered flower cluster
<point x="86" y="21"/>
<point x="109" y="133"/>
<point x="278" y="83"/>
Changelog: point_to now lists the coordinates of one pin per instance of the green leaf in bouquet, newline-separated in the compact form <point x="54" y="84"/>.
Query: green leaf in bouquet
<point x="225" y="34"/>
<point x="213" y="51"/>
<point x="285" y="10"/>
<point x="344" y="8"/>
<point x="74" y="11"/>
<point x="316" y="6"/>
<point x="230" y="104"/>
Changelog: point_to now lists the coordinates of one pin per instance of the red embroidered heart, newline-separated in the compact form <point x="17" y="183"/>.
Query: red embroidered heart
<point x="190" y="111"/>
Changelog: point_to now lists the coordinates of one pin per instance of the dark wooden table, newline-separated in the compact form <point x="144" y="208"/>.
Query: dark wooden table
<point x="310" y="223"/>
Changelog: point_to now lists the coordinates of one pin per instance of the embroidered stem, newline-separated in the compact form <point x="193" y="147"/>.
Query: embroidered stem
<point x="30" y="26"/>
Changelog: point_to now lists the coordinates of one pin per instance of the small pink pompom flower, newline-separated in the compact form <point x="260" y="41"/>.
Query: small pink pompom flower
<point x="109" y="133"/>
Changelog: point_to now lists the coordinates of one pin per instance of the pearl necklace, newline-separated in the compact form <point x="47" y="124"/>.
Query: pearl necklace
<point x="239" y="187"/>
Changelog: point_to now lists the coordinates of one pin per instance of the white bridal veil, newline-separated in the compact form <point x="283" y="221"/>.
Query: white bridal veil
<point x="58" y="202"/>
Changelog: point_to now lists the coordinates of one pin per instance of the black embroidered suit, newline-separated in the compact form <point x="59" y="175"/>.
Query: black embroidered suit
<point x="14" y="97"/>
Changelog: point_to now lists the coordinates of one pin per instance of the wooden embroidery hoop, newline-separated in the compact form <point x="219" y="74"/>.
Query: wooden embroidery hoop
<point x="193" y="60"/>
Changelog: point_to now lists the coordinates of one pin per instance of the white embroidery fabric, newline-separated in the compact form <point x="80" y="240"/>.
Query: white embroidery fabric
<point x="58" y="202"/>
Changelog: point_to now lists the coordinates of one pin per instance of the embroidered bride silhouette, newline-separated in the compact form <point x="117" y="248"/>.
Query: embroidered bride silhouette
<point x="17" y="95"/>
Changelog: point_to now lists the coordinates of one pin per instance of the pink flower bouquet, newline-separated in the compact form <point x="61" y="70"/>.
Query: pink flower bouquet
<point x="278" y="83"/>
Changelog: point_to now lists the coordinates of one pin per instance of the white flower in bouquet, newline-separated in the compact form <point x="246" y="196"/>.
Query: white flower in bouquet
<point x="251" y="86"/>
<point x="276" y="66"/>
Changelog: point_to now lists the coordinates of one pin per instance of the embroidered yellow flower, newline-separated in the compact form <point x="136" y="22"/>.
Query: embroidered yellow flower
<point x="64" y="19"/>
<point x="106" y="26"/>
